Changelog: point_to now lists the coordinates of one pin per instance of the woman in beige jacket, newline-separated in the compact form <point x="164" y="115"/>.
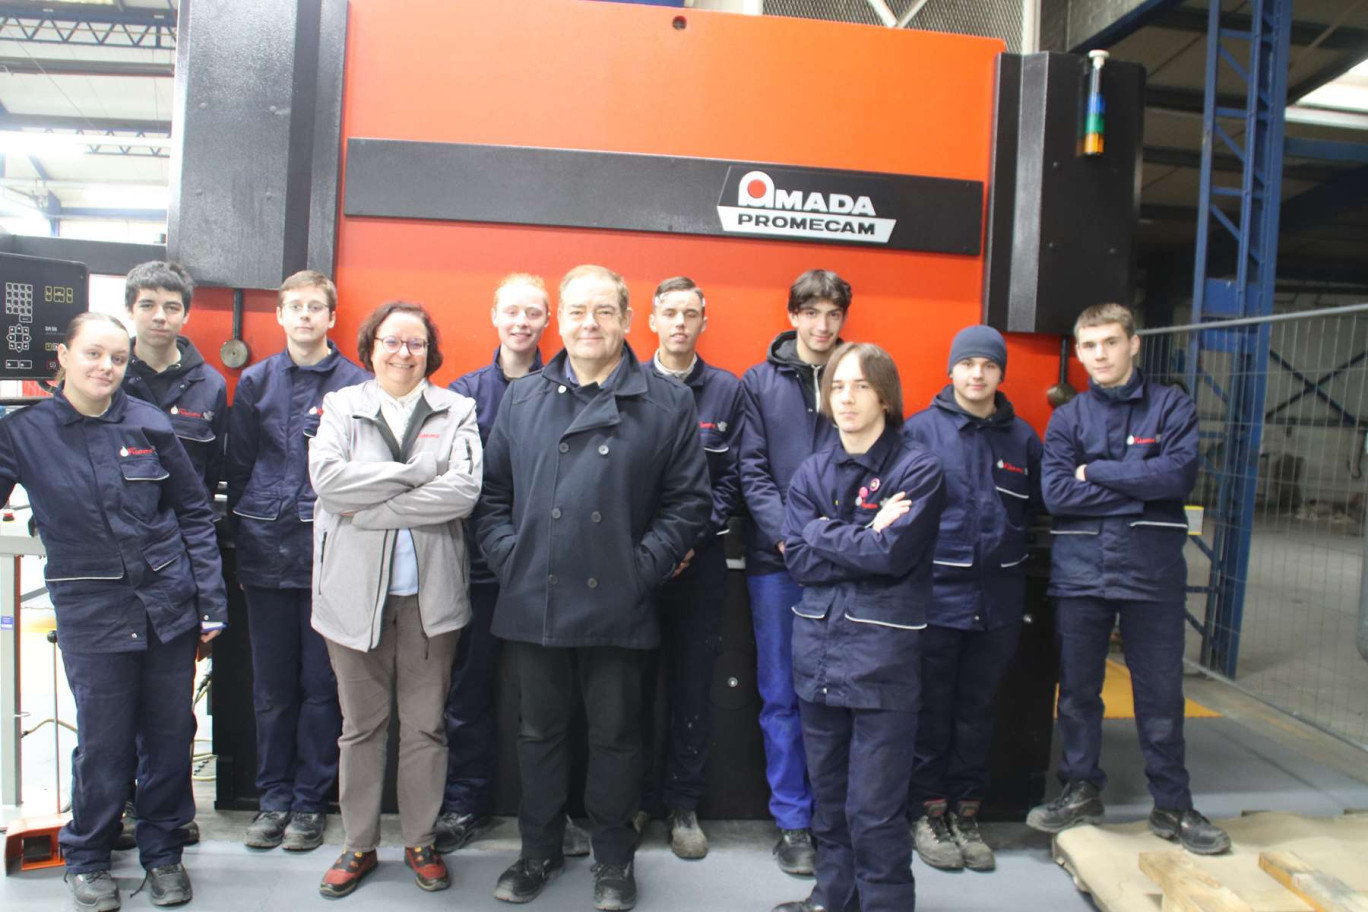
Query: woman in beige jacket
<point x="396" y="465"/>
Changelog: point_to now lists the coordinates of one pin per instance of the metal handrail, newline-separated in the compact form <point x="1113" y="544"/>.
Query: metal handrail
<point x="1252" y="321"/>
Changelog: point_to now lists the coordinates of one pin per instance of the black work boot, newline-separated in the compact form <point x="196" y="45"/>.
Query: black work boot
<point x="1193" y="831"/>
<point x="304" y="833"/>
<point x="1080" y="802"/>
<point x="687" y="839"/>
<point x="614" y="887"/>
<point x="169" y="885"/>
<point x="806" y="905"/>
<point x="189" y="834"/>
<point x="94" y="890"/>
<point x="965" y="830"/>
<point x="455" y="830"/>
<point x="934" y="842"/>
<point x="267" y="829"/>
<point x="128" y="824"/>
<point x="526" y="877"/>
<point x="794" y="852"/>
<point x="575" y="843"/>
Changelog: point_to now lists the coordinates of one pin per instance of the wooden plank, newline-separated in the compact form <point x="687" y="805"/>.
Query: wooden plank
<point x="1187" y="888"/>
<point x="1321" y="891"/>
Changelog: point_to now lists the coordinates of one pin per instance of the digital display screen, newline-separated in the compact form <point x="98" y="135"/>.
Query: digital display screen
<point x="41" y="297"/>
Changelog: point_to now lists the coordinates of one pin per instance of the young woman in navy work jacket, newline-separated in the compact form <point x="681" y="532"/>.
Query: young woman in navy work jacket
<point x="859" y="535"/>
<point x="133" y="573"/>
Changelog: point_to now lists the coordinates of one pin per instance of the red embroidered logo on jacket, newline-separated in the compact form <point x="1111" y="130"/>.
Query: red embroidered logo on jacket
<point x="706" y="425"/>
<point x="177" y="410"/>
<point x="1143" y="441"/>
<point x="869" y="505"/>
<point x="429" y="436"/>
<point x="1004" y="464"/>
<point x="137" y="451"/>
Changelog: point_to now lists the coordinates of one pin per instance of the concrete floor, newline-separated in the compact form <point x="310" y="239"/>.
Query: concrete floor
<point x="1252" y="759"/>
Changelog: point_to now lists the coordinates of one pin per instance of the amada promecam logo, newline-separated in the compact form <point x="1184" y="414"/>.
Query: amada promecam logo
<point x="801" y="207"/>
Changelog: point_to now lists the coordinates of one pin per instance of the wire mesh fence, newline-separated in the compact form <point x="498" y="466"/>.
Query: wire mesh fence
<point x="1275" y="578"/>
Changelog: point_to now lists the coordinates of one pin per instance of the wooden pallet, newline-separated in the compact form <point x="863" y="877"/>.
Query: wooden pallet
<point x="1278" y="863"/>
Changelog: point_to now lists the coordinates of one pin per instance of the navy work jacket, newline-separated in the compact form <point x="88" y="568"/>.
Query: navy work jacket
<point x="720" y="403"/>
<point x="195" y="401"/>
<point x="592" y="495"/>
<point x="992" y="487"/>
<point x="486" y="385"/>
<point x="865" y="593"/>
<point x="276" y="410"/>
<point x="124" y="518"/>
<point x="782" y="428"/>
<point x="1120" y="534"/>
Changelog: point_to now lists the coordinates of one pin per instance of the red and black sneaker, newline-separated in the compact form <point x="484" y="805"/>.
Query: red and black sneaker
<point x="428" y="868"/>
<point x="346" y="873"/>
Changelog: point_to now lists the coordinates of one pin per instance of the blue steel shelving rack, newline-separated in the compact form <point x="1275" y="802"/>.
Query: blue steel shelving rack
<point x="1250" y="218"/>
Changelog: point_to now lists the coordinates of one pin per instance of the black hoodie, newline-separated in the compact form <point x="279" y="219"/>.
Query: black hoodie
<point x="195" y="397"/>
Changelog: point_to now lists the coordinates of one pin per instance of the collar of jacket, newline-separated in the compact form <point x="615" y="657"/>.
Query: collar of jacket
<point x="783" y="354"/>
<point x="1134" y="389"/>
<point x="629" y="379"/>
<point x="189" y="357"/>
<point x="1002" y="416"/>
<point x="695" y="375"/>
<point x="328" y="362"/>
<point x="536" y="362"/>
<point x="368" y="409"/>
<point x="67" y="414"/>
<point x="874" y="457"/>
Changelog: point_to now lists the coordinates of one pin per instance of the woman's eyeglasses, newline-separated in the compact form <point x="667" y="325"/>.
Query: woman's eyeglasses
<point x="392" y="345"/>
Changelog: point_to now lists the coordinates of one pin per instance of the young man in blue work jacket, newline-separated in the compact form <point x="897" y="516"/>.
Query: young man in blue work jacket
<point x="276" y="410"/>
<point x="992" y="480"/>
<point x="169" y="372"/>
<point x="860" y="531"/>
<point x="1119" y="461"/>
<point x="691" y="604"/>
<point x="783" y="428"/>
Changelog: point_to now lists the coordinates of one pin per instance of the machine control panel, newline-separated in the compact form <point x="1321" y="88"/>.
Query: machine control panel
<point x="41" y="297"/>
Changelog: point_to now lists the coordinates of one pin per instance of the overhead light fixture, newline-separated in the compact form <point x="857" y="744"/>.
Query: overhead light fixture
<point x="70" y="145"/>
<point x="17" y="204"/>
<point x="1347" y="93"/>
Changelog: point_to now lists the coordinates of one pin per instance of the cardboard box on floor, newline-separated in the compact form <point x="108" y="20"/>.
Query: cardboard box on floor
<point x="1104" y="861"/>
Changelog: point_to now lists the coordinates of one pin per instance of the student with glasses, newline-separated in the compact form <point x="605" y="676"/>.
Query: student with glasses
<point x="276" y="411"/>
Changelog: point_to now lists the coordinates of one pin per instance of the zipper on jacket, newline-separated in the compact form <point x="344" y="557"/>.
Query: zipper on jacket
<point x="322" y="556"/>
<point x="378" y="603"/>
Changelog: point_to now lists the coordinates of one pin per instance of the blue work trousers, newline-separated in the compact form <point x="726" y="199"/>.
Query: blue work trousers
<point x="294" y="693"/>
<point x="1152" y="634"/>
<point x="860" y="761"/>
<point x="961" y="671"/>
<point x="471" y="710"/>
<point x="772" y="597"/>
<point x="690" y="609"/>
<point x="122" y="697"/>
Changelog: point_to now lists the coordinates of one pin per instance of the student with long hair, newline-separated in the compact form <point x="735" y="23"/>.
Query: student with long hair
<point x="859" y="535"/>
<point x="134" y="576"/>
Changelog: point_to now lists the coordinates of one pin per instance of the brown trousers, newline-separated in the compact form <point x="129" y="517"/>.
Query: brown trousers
<point x="415" y="672"/>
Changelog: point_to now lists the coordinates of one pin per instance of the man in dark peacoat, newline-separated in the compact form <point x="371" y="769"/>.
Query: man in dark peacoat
<point x="596" y="487"/>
